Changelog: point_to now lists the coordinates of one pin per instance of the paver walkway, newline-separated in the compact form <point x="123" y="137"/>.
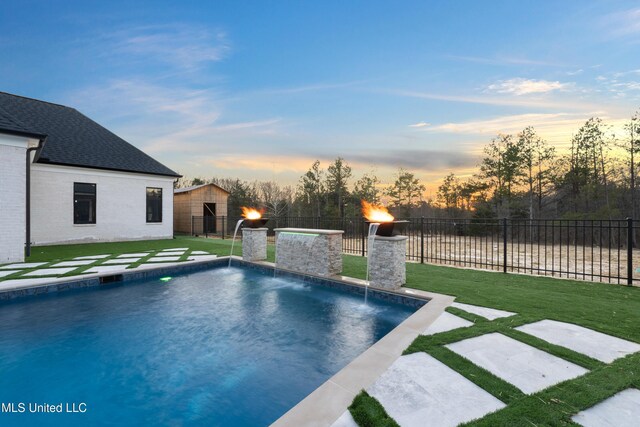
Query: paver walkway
<point x="525" y="367"/>
<point x="620" y="410"/>
<point x="36" y="273"/>
<point x="594" y="344"/>
<point x="418" y="390"/>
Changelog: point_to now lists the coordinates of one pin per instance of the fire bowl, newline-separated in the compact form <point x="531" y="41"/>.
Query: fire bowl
<point x="391" y="228"/>
<point x="254" y="223"/>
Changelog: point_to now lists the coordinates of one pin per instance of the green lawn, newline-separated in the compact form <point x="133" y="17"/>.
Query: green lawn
<point x="612" y="309"/>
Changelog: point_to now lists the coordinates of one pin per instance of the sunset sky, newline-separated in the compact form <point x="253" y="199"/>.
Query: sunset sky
<point x="258" y="90"/>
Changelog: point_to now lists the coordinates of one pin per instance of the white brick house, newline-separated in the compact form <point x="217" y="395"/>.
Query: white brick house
<point x="85" y="183"/>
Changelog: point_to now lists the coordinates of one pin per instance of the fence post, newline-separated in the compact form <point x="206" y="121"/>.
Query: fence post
<point x="629" y="251"/>
<point x="363" y="232"/>
<point x="224" y="229"/>
<point x="421" y="240"/>
<point x="504" y="245"/>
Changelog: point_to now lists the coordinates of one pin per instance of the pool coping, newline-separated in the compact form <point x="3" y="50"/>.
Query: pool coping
<point x="325" y="404"/>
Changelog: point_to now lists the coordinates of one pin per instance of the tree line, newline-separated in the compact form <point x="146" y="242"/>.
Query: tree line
<point x="332" y="192"/>
<point x="519" y="176"/>
<point x="523" y="176"/>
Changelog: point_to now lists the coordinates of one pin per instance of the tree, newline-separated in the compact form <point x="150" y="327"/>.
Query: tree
<point x="197" y="181"/>
<point x="536" y="156"/>
<point x="406" y="191"/>
<point x="277" y="200"/>
<point x="502" y="166"/>
<point x="632" y="147"/>
<point x="310" y="189"/>
<point x="366" y="188"/>
<point x="336" y="183"/>
<point x="449" y="193"/>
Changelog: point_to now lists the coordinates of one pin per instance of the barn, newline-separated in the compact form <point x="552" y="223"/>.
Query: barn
<point x="201" y="209"/>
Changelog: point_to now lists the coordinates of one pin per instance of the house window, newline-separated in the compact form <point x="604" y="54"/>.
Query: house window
<point x="84" y="203"/>
<point x="154" y="204"/>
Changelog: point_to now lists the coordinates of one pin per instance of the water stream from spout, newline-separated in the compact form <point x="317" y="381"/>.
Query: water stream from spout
<point x="240" y="221"/>
<point x="373" y="229"/>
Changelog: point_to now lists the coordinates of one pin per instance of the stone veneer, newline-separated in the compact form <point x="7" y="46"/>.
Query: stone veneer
<point x="254" y="244"/>
<point x="309" y="251"/>
<point x="387" y="262"/>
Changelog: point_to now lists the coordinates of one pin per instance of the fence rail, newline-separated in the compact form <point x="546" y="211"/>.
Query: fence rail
<point x="593" y="250"/>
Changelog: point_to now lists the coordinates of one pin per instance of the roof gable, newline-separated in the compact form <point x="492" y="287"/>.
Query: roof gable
<point x="73" y="139"/>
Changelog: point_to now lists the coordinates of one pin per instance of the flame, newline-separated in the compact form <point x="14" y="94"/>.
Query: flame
<point x="251" y="213"/>
<point x="375" y="213"/>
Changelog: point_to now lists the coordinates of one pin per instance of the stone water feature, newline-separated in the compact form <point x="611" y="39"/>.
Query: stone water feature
<point x="309" y="251"/>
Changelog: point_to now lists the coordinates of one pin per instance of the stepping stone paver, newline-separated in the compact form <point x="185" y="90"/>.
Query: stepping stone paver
<point x="92" y="257"/>
<point x="620" y="410"/>
<point x="163" y="258"/>
<point x="201" y="257"/>
<point x="74" y="263"/>
<point x="446" y="322"/>
<point x="137" y="254"/>
<point x="487" y="313"/>
<point x="345" y="420"/>
<point x="174" y="249"/>
<point x="418" y="390"/>
<point x="594" y="344"/>
<point x="4" y="273"/>
<point x="22" y="265"/>
<point x="106" y="268"/>
<point x="199" y="253"/>
<point x="49" y="271"/>
<point x="121" y="261"/>
<point x="173" y="253"/>
<point x="517" y="363"/>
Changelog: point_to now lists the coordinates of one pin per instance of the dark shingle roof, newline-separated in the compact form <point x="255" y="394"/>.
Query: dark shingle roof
<point x="72" y="138"/>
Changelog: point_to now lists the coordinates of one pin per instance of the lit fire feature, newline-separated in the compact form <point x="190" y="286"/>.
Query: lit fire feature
<point x="375" y="213"/>
<point x="253" y="218"/>
<point x="251" y="213"/>
<point x="379" y="214"/>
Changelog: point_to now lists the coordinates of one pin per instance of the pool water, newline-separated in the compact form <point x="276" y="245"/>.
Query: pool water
<point x="222" y="347"/>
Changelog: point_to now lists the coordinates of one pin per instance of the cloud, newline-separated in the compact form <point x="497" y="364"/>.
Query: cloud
<point x="623" y="24"/>
<point x="419" y="125"/>
<point x="520" y="86"/>
<point x="173" y="123"/>
<point x="423" y="160"/>
<point x="179" y="46"/>
<point x="495" y="100"/>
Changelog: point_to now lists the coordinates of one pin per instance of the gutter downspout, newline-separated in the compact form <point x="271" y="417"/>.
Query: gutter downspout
<point x="27" y="248"/>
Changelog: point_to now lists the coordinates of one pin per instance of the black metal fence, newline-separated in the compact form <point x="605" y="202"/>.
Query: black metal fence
<point x="594" y="250"/>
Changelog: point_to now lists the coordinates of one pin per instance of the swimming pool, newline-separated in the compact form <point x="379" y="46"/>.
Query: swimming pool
<point x="228" y="347"/>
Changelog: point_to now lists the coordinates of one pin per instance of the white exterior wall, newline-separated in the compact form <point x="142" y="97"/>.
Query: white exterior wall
<point x="121" y="205"/>
<point x="12" y="197"/>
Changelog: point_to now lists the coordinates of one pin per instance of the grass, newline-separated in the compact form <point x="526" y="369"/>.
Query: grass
<point x="611" y="309"/>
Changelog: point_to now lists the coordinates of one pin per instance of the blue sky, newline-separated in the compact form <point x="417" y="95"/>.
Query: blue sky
<point x="259" y="90"/>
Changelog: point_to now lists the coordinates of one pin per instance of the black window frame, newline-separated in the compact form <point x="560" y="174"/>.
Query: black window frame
<point x="156" y="202"/>
<point x="81" y="193"/>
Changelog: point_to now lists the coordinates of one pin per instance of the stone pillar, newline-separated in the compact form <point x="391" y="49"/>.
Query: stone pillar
<point x="254" y="244"/>
<point x="387" y="262"/>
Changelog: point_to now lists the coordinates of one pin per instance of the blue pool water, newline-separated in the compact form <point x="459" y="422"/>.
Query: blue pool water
<point x="222" y="347"/>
